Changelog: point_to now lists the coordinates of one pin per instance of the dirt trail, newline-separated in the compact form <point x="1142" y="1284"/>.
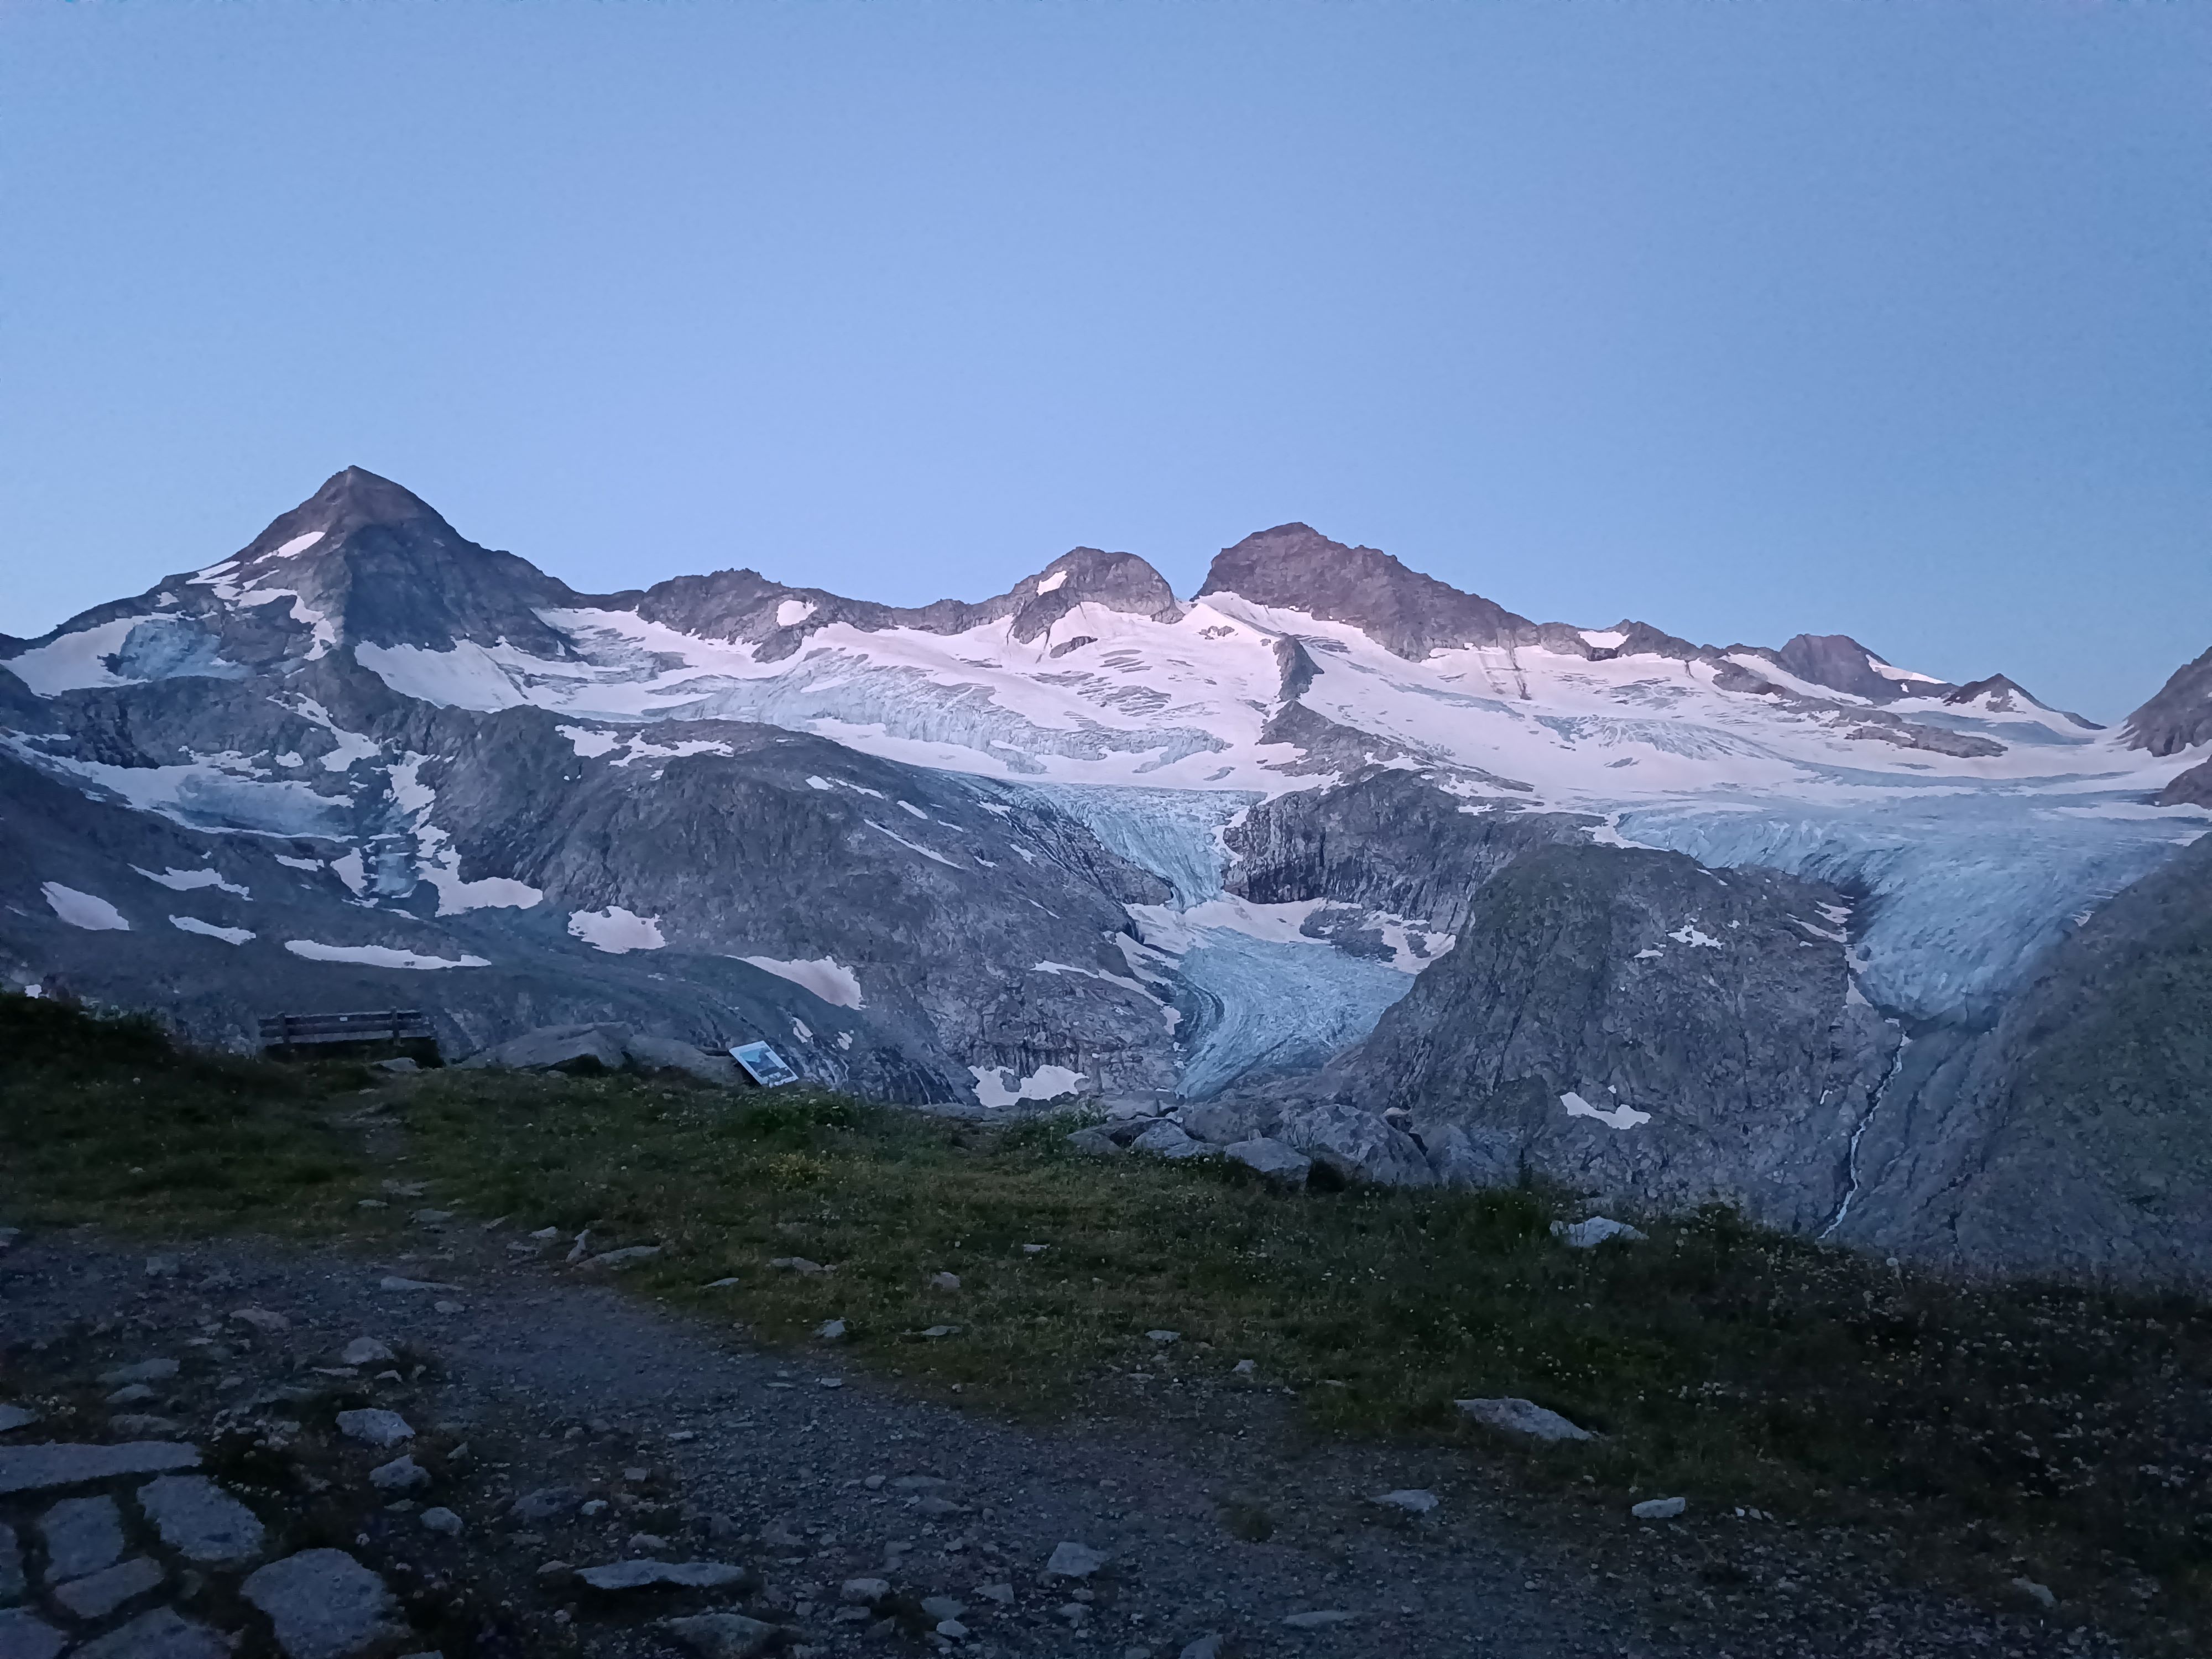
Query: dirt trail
<point x="812" y="1473"/>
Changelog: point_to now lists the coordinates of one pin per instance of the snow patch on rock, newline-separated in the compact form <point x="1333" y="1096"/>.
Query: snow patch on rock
<point x="616" y="931"/>
<point x="85" y="910"/>
<point x="825" y="977"/>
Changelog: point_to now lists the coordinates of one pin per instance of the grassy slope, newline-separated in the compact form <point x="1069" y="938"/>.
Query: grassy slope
<point x="2019" y="1428"/>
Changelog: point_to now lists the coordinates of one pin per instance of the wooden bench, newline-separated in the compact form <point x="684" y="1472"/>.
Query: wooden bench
<point x="407" y="1026"/>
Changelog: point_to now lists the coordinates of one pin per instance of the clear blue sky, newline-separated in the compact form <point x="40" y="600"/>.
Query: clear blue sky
<point x="1744" y="319"/>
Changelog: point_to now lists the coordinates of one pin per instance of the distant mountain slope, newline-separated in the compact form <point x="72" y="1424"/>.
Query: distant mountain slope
<point x="1081" y="836"/>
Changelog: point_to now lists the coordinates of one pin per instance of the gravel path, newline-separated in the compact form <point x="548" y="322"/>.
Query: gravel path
<point x="644" y="1435"/>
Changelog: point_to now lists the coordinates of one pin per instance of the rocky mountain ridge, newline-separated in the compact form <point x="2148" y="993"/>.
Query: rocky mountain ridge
<point x="1322" y="821"/>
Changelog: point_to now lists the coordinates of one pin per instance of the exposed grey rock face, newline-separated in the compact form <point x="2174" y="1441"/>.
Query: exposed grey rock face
<point x="325" y="1605"/>
<point x="11" y="1565"/>
<point x="1631" y="1022"/>
<point x="1296" y="566"/>
<point x="2190" y="788"/>
<point x="2072" y="1139"/>
<point x="1841" y="663"/>
<point x="1357" y="1145"/>
<point x="2179" y="716"/>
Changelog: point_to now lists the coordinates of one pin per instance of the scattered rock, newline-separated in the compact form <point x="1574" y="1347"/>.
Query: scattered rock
<point x="1002" y="1594"/>
<point x="160" y="1634"/>
<point x="431" y="1217"/>
<point x="82" y="1535"/>
<point x="1358" y="1146"/>
<point x="1411" y="1498"/>
<point x="392" y="1282"/>
<point x="546" y="1502"/>
<point x="200" y="1521"/>
<point x="722" y="1635"/>
<point x="132" y="1395"/>
<point x="797" y="1264"/>
<point x="1659" y="1508"/>
<point x="443" y="1522"/>
<point x="831" y="1330"/>
<point x="17" y="1417"/>
<point x="325" y="1605"/>
<point x="1280" y="1163"/>
<point x="678" y="1575"/>
<point x="1165" y="1140"/>
<point x="1205" y="1647"/>
<point x="938" y="1333"/>
<point x="2040" y="1593"/>
<point x="1073" y="1560"/>
<point x="401" y="1474"/>
<point x="1164" y="1338"/>
<point x="1323" y="1618"/>
<point x="146" y="1370"/>
<point x="24" y="1635"/>
<point x="575" y="1049"/>
<point x="398" y="1066"/>
<point x="944" y="1281"/>
<point x="1522" y="1416"/>
<point x="374" y="1427"/>
<point x="367" y="1351"/>
<point x="137" y="1425"/>
<point x="449" y="1307"/>
<point x="99" y="1594"/>
<point x="268" y="1323"/>
<point x="35" y="1468"/>
<point x="865" y="1592"/>
<point x="1244" y="1368"/>
<point x="627" y="1257"/>
<point x="1095" y="1142"/>
<point x="942" y="1607"/>
<point x="163" y="1267"/>
<point x="1588" y="1235"/>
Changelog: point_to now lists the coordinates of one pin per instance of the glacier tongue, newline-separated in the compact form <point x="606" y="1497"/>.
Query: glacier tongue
<point x="1964" y="889"/>
<point x="1173" y="834"/>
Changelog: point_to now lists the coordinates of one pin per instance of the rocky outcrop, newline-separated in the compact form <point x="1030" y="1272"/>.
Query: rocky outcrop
<point x="2190" y="788"/>
<point x="2076" y="1138"/>
<point x="1294" y="567"/>
<point x="2179" y="716"/>
<point x="1633" y="1024"/>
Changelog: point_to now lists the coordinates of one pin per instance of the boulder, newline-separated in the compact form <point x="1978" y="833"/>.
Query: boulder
<point x="202" y="1521"/>
<point x="1589" y="1234"/>
<point x="673" y="1575"/>
<point x="1521" y="1417"/>
<point x="1224" y="1121"/>
<point x="1358" y="1146"/>
<point x="325" y="1605"/>
<point x="1095" y="1141"/>
<point x="559" y="1048"/>
<point x="1464" y="1157"/>
<point x="1165" y="1140"/>
<point x="1285" y="1165"/>
<point x="660" y="1053"/>
<point x="97" y="1595"/>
